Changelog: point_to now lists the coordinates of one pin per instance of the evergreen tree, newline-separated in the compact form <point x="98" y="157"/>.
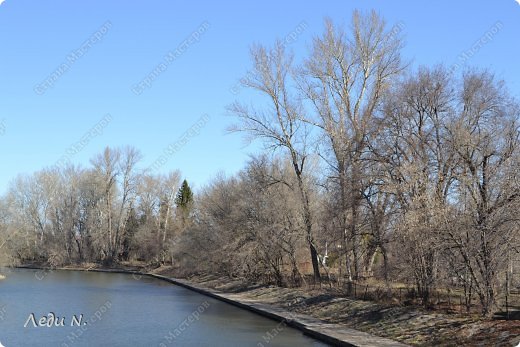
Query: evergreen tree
<point x="184" y="202"/>
<point x="184" y="197"/>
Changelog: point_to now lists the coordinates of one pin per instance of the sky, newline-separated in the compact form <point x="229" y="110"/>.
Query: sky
<point x="77" y="76"/>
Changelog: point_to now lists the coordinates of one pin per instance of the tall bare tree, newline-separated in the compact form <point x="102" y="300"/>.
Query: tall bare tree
<point x="130" y="157"/>
<point x="280" y="124"/>
<point x="415" y="151"/>
<point x="109" y="166"/>
<point x="486" y="139"/>
<point x="345" y="79"/>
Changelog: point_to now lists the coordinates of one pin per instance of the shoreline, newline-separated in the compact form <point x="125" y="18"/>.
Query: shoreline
<point x="330" y="333"/>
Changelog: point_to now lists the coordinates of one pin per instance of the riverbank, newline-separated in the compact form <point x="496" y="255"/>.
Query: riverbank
<point x="327" y="315"/>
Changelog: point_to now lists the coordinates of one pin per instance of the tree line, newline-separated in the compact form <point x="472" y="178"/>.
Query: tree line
<point x="109" y="212"/>
<point x="371" y="169"/>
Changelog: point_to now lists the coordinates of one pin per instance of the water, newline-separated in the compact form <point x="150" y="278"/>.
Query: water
<point x="120" y="310"/>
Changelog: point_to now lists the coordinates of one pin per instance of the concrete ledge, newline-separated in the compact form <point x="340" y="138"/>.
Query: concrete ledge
<point x="334" y="334"/>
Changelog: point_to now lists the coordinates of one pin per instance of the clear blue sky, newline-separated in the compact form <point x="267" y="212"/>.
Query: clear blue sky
<point x="39" y="120"/>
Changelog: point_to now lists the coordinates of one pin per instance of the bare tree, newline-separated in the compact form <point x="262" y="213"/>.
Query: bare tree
<point x="106" y="167"/>
<point x="110" y="165"/>
<point x="486" y="139"/>
<point x="419" y="165"/>
<point x="280" y="125"/>
<point x="345" y="79"/>
<point x="129" y="179"/>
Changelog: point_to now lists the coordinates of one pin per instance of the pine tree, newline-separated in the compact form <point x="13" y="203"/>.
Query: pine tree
<point x="184" y="202"/>
<point x="184" y="197"/>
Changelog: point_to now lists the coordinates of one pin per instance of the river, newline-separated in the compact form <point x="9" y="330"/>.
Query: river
<point x="76" y="308"/>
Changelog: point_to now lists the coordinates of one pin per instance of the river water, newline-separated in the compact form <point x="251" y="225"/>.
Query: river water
<point x="107" y="309"/>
